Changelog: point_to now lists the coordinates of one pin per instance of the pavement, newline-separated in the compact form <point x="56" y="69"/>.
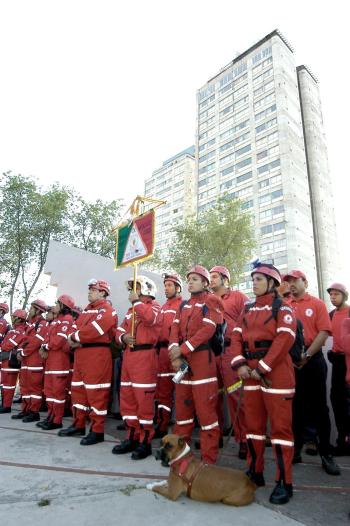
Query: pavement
<point x="46" y="479"/>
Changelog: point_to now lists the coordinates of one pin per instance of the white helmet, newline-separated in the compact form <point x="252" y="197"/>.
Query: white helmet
<point x="148" y="287"/>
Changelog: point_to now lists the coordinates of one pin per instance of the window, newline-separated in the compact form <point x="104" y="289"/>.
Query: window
<point x="242" y="138"/>
<point x="243" y="150"/>
<point x="266" y="125"/>
<point x="226" y="146"/>
<point x="242" y="101"/>
<point x="265" y="113"/>
<point x="226" y="111"/>
<point x="225" y="101"/>
<point x="266" y="230"/>
<point x="224" y="80"/>
<point x="207" y="168"/>
<point x="247" y="204"/>
<point x="207" y="156"/>
<point x="243" y="163"/>
<point x="244" y="177"/>
<point x="225" y="89"/>
<point x="226" y="171"/>
<point x="240" y="90"/>
<point x="264" y="100"/>
<point x="225" y="186"/>
<point x="227" y="158"/>
<point x="267" y="139"/>
<point x="269" y="166"/>
<point x="263" y="76"/>
<point x="264" y="88"/>
<point x="262" y="54"/>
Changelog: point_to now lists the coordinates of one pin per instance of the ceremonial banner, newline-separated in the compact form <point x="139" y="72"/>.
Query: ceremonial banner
<point x="135" y="240"/>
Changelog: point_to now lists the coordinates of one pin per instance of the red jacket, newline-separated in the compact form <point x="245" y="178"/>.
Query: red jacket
<point x="195" y="324"/>
<point x="148" y="322"/>
<point x="34" y="338"/>
<point x="95" y="324"/>
<point x="234" y="302"/>
<point x="56" y="344"/>
<point x="3" y="328"/>
<point x="345" y="342"/>
<point x="252" y="327"/>
<point x="168" y="311"/>
<point x="14" y="337"/>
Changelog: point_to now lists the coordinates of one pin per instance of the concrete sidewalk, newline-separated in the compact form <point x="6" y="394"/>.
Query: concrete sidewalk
<point x="89" y="485"/>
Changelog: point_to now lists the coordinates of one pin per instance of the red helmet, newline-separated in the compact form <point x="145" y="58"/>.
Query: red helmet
<point x="337" y="286"/>
<point x="19" y="313"/>
<point x="175" y="278"/>
<point x="40" y="304"/>
<point x="66" y="300"/>
<point x="268" y="270"/>
<point x="4" y="307"/>
<point x="221" y="270"/>
<point x="201" y="271"/>
<point x="100" y="285"/>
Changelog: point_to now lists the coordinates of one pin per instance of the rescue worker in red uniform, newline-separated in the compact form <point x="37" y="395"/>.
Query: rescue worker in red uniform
<point x="311" y="375"/>
<point x="9" y="346"/>
<point x="196" y="394"/>
<point x="139" y="369"/>
<point x="338" y="295"/>
<point x="56" y="351"/>
<point x="234" y="302"/>
<point x="165" y="385"/>
<point x="4" y="327"/>
<point x="92" y="374"/>
<point x="260" y="345"/>
<point x="31" y="377"/>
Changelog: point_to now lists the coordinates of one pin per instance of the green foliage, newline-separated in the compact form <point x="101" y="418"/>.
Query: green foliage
<point x="91" y="225"/>
<point x="221" y="235"/>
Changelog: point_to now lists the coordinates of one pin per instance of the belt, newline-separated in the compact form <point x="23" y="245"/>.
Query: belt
<point x="102" y="344"/>
<point x="260" y="344"/>
<point x="264" y="345"/>
<point x="142" y="347"/>
<point x="162" y="344"/>
<point x="255" y="355"/>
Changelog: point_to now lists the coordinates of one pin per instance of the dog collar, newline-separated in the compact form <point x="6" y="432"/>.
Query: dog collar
<point x="183" y="453"/>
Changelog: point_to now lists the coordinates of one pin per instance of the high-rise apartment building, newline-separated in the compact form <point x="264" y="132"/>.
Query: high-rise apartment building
<point x="175" y="183"/>
<point x="260" y="138"/>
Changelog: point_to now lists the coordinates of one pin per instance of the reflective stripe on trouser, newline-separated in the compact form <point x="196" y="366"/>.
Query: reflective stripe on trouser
<point x="165" y="389"/>
<point x="9" y="381"/>
<point x="200" y="399"/>
<point x="35" y="382"/>
<point x="23" y="384"/>
<point x="137" y="392"/>
<point x="228" y="377"/>
<point x="259" y="406"/>
<point x="91" y="384"/>
<point x="55" y="390"/>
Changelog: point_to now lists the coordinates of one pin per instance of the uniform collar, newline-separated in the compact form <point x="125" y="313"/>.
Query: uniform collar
<point x="305" y="297"/>
<point x="266" y="299"/>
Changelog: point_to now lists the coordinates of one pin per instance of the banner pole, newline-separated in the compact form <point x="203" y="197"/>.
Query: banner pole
<point x="133" y="309"/>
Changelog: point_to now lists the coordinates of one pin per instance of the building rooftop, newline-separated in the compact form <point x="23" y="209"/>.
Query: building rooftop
<point x="188" y="151"/>
<point x="275" y="32"/>
<point x="306" y="68"/>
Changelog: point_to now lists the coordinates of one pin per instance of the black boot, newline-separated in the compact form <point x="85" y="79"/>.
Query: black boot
<point x="142" y="451"/>
<point x="256" y="477"/>
<point x="19" y="415"/>
<point x="50" y="425"/>
<point x="32" y="417"/>
<point x="5" y="410"/>
<point x="42" y="422"/>
<point x="71" y="431"/>
<point x="329" y="465"/>
<point x="281" y="493"/>
<point x="92" y="438"/>
<point x="297" y="456"/>
<point x="159" y="434"/>
<point x="126" y="446"/>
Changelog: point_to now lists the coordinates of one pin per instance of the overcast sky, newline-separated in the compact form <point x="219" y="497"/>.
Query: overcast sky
<point x="97" y="94"/>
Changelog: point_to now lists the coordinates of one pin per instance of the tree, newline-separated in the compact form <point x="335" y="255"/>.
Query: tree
<point x="91" y="225"/>
<point x="30" y="218"/>
<point x="221" y="235"/>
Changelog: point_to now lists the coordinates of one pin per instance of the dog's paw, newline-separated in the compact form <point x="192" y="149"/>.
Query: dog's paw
<point x="152" y="485"/>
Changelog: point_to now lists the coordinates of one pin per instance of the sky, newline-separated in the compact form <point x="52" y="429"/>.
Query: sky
<point x="97" y="94"/>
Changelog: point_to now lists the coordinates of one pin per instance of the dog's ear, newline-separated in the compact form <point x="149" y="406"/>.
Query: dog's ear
<point x="181" y="441"/>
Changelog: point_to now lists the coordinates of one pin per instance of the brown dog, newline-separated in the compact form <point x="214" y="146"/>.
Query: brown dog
<point x="200" y="481"/>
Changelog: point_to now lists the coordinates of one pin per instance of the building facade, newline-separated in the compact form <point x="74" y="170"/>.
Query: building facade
<point x="175" y="183"/>
<point x="260" y="138"/>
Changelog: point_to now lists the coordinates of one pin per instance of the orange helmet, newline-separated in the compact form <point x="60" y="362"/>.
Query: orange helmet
<point x="221" y="270"/>
<point x="100" y="284"/>
<point x="175" y="278"/>
<point x="268" y="270"/>
<point x="66" y="300"/>
<point x="39" y="304"/>
<point x="201" y="271"/>
<point x="19" y="313"/>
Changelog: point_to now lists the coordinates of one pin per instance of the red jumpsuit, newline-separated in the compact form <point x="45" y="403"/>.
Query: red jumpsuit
<point x="165" y="385"/>
<point x="265" y="345"/>
<point x="139" y="370"/>
<point x="9" y="375"/>
<point x="31" y="377"/>
<point x="234" y="302"/>
<point x="57" y="366"/>
<point x="91" y="382"/>
<point x="4" y="326"/>
<point x="197" y="393"/>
